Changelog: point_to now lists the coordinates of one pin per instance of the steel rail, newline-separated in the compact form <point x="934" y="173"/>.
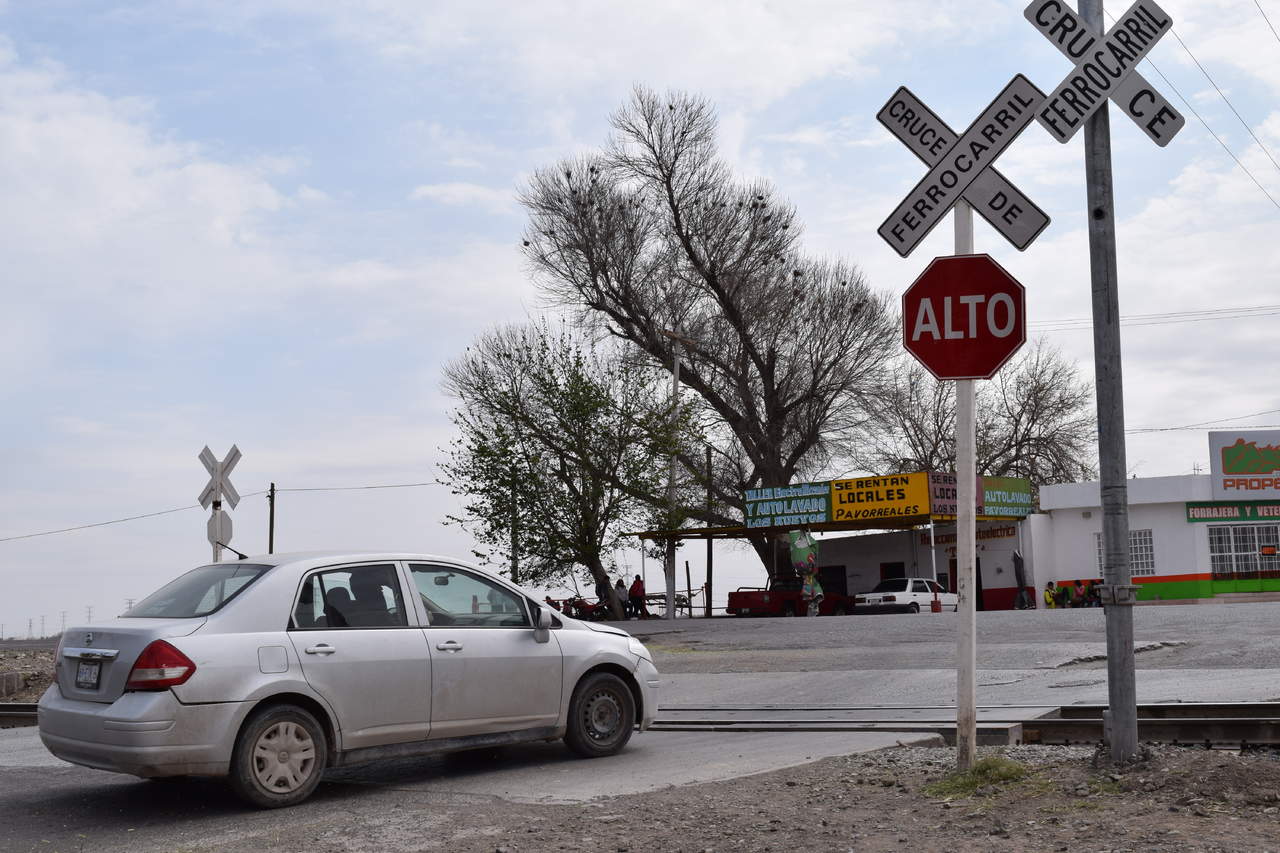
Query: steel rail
<point x="14" y="714"/>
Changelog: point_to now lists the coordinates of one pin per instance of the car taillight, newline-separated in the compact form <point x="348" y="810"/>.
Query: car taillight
<point x="159" y="666"/>
<point x="890" y="598"/>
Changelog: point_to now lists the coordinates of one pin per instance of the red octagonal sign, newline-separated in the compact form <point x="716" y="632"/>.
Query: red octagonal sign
<point x="964" y="317"/>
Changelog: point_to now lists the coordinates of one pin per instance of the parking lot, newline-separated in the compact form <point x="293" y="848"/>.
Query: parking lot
<point x="1223" y="652"/>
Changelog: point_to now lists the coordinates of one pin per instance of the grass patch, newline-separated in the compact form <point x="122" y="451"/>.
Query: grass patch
<point x="993" y="770"/>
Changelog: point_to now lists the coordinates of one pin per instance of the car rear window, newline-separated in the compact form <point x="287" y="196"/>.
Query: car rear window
<point x="892" y="585"/>
<point x="199" y="592"/>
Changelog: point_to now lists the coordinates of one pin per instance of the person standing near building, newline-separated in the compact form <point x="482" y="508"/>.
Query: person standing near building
<point x="1050" y="596"/>
<point x="636" y="597"/>
<point x="620" y="590"/>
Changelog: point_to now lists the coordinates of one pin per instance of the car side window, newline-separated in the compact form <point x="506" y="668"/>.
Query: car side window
<point x="934" y="586"/>
<point x="919" y="586"/>
<point x="351" y="597"/>
<point x="455" y="597"/>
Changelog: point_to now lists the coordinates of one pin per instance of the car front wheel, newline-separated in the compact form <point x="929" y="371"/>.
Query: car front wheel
<point x="279" y="757"/>
<point x="602" y="714"/>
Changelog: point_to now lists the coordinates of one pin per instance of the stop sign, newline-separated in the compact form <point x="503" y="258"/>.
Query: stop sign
<point x="964" y="317"/>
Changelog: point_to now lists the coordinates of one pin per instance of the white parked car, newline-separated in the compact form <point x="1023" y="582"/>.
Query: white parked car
<point x="907" y="595"/>
<point x="270" y="669"/>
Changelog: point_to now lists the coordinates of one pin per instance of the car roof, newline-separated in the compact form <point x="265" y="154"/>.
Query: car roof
<point x="345" y="556"/>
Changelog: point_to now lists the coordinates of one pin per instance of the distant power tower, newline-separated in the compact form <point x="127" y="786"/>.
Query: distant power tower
<point x="88" y="613"/>
<point x="42" y="626"/>
<point x="128" y="604"/>
<point x="63" y="629"/>
<point x="29" y="628"/>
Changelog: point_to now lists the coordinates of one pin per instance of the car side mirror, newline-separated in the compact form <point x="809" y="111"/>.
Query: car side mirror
<point x="541" y="625"/>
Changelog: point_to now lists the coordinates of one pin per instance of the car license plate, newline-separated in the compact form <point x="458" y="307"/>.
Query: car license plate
<point x="87" y="674"/>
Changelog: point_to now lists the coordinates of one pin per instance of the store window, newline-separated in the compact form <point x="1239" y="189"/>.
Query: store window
<point x="1142" y="553"/>
<point x="1244" y="551"/>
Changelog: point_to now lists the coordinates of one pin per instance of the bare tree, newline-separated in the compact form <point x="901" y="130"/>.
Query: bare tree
<point x="1034" y="420"/>
<point x="655" y="237"/>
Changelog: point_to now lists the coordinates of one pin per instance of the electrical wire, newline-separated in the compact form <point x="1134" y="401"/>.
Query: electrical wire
<point x="197" y="506"/>
<point x="357" y="488"/>
<point x="1160" y="319"/>
<point x="1217" y="138"/>
<point x="113" y="521"/>
<point x="1268" y="20"/>
<point x="1225" y="99"/>
<point x="1204" y="424"/>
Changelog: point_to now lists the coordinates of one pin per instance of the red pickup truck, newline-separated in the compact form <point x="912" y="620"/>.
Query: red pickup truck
<point x="782" y="598"/>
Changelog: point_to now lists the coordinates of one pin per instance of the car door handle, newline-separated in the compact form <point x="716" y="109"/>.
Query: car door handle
<point x="449" y="646"/>
<point x="320" y="649"/>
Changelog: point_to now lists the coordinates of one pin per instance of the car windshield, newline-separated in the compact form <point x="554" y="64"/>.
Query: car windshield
<point x="892" y="585"/>
<point x="199" y="592"/>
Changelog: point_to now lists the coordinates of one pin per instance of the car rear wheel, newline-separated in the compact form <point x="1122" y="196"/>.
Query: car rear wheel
<point x="602" y="714"/>
<point x="789" y="609"/>
<point x="913" y="607"/>
<point x="279" y="757"/>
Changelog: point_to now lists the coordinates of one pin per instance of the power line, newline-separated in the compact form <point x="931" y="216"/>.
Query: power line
<point x="1224" y="97"/>
<point x="358" y="488"/>
<point x="1203" y="424"/>
<point x="1217" y="138"/>
<point x="1268" y="20"/>
<point x="1162" y="319"/>
<point x="197" y="506"/>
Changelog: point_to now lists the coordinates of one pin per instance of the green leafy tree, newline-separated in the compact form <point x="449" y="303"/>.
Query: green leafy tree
<point x="559" y="443"/>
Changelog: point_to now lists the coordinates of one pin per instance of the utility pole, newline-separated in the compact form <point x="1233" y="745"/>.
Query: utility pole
<point x="42" y="626"/>
<point x="63" y="629"/>
<point x="669" y="561"/>
<point x="29" y="628"/>
<point x="1118" y="591"/>
<point x="271" y="519"/>
<point x="709" y="554"/>
<point x="88" y="613"/>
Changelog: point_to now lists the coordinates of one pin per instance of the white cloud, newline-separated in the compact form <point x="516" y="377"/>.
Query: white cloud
<point x="458" y="194"/>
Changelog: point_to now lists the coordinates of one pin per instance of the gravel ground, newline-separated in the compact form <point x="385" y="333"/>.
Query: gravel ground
<point x="1174" y="800"/>
<point x="34" y="668"/>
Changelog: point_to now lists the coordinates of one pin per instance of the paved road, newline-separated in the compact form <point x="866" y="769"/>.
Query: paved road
<point x="1038" y="657"/>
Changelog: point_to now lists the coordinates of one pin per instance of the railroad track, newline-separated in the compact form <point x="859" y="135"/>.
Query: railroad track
<point x="1231" y="724"/>
<point x="14" y="714"/>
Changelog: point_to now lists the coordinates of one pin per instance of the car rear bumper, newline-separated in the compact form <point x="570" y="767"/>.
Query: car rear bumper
<point x="143" y="734"/>
<point x="647" y="679"/>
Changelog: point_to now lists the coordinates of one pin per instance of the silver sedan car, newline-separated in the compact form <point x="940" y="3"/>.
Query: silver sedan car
<point x="270" y="669"/>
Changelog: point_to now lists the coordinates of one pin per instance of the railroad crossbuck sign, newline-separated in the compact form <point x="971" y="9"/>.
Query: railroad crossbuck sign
<point x="991" y="194"/>
<point x="956" y="167"/>
<point x="1105" y="69"/>
<point x="217" y="490"/>
<point x="964" y="317"/>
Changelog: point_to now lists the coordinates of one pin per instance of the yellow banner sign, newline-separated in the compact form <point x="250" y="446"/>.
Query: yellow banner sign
<point x="867" y="498"/>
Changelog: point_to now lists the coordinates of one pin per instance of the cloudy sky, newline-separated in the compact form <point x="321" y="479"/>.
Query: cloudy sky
<point x="271" y="222"/>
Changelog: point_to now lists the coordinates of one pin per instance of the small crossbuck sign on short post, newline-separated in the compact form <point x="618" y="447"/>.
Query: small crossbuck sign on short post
<point x="1104" y="69"/>
<point x="219" y="488"/>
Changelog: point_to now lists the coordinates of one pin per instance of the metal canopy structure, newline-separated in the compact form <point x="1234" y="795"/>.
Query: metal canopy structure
<point x="742" y="531"/>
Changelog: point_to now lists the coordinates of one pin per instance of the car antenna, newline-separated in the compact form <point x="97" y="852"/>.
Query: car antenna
<point x="233" y="551"/>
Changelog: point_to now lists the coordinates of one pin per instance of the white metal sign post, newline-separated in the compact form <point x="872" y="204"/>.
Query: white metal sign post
<point x="1104" y="69"/>
<point x="960" y="173"/>
<point x="219" y="488"/>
